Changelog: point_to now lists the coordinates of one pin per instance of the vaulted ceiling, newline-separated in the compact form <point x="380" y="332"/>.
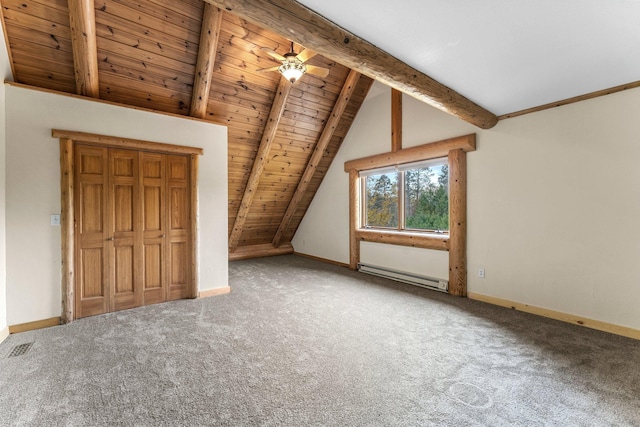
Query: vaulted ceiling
<point x="504" y="55"/>
<point x="198" y="58"/>
<point x="189" y="58"/>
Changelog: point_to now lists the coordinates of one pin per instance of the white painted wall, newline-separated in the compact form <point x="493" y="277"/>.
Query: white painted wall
<point x="553" y="202"/>
<point x="5" y="74"/>
<point x="33" y="189"/>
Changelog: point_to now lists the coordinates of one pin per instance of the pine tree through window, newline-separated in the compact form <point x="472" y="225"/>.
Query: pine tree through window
<point x="410" y="197"/>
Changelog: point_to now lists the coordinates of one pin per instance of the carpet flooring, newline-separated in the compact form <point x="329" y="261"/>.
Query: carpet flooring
<point x="303" y="343"/>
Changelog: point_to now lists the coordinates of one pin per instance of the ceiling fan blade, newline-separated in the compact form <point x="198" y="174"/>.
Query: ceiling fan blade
<point x="306" y="55"/>
<point x="317" y="71"/>
<point x="273" y="53"/>
<point x="268" y="69"/>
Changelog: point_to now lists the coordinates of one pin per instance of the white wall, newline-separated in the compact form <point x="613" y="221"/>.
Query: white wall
<point x="553" y="202"/>
<point x="33" y="189"/>
<point x="5" y="74"/>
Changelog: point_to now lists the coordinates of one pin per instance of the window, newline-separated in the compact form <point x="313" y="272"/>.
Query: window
<point x="412" y="197"/>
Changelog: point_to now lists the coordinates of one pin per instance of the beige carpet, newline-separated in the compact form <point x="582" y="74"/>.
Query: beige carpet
<point x="302" y="343"/>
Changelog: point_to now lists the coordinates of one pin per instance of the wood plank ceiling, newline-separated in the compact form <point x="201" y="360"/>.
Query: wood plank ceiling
<point x="187" y="57"/>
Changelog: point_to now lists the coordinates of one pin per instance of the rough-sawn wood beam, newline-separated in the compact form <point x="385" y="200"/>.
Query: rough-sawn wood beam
<point x="316" y="157"/>
<point x="211" y="23"/>
<point x="279" y="102"/>
<point x="295" y="22"/>
<point x="396" y="120"/>
<point x="82" y="19"/>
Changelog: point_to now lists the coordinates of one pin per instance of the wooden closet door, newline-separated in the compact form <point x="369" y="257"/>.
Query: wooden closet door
<point x="178" y="227"/>
<point x="153" y="183"/>
<point x="92" y="293"/>
<point x="124" y="242"/>
<point x="133" y="231"/>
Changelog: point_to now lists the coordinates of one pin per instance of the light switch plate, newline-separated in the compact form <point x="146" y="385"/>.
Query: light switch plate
<point x="55" y="219"/>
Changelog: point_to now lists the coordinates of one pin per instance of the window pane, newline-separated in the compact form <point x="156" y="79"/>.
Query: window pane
<point x="426" y="199"/>
<point x="382" y="200"/>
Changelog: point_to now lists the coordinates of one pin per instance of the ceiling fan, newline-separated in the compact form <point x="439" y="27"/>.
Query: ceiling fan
<point x="293" y="64"/>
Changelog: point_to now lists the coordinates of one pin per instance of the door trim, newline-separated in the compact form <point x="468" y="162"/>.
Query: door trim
<point x="68" y="139"/>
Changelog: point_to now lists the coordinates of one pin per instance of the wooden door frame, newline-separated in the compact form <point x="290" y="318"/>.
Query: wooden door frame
<point x="68" y="139"/>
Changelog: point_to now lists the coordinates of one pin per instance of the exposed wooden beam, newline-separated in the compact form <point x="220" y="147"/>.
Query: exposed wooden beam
<point x="426" y="151"/>
<point x="82" y="18"/>
<point x="329" y="129"/>
<point x="295" y="22"/>
<point x="279" y="102"/>
<point x="209" y="35"/>
<point x="396" y="120"/>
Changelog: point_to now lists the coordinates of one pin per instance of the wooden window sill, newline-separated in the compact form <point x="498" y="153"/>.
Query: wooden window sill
<point x="405" y="238"/>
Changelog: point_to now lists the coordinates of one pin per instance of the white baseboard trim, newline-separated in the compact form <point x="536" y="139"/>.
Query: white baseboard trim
<point x="557" y="315"/>
<point x="4" y="333"/>
<point x="214" y="292"/>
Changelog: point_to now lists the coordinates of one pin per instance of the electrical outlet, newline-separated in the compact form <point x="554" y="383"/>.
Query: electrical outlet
<point x="481" y="273"/>
<point x="55" y="219"/>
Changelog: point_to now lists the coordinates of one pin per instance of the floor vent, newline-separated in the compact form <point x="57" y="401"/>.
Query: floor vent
<point x="402" y="276"/>
<point x="21" y="349"/>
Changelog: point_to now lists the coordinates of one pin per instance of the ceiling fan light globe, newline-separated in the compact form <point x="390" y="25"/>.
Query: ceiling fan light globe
<point x="292" y="71"/>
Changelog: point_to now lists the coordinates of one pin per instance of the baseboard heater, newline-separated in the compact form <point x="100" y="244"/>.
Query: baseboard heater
<point x="403" y="276"/>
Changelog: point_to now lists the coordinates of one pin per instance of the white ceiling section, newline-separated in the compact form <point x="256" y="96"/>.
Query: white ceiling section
<point x="505" y="55"/>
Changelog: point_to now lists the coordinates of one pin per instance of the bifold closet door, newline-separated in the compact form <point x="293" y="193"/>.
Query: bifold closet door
<point x="133" y="243"/>
<point x="124" y="241"/>
<point x="92" y="290"/>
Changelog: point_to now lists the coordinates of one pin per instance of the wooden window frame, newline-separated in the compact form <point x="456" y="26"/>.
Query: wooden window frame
<point x="455" y="150"/>
<point x="67" y="141"/>
<point x="402" y="219"/>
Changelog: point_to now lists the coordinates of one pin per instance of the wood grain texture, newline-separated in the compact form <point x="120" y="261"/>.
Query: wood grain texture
<point x="354" y="219"/>
<point x="9" y="54"/>
<point x="458" y="223"/>
<point x="32" y="326"/>
<point x="282" y="93"/>
<point x="132" y="247"/>
<point x="147" y="59"/>
<point x="291" y="19"/>
<point x="318" y="152"/>
<point x="115" y="141"/>
<point x="260" y="250"/>
<point x="416" y="240"/>
<point x="194" y="221"/>
<point x="208" y="47"/>
<point x="421" y="152"/>
<point x="396" y="120"/>
<point x="85" y="51"/>
<point x="67" y="229"/>
<point x="557" y="315"/>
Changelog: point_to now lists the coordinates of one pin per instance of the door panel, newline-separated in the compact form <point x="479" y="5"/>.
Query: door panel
<point x="92" y="296"/>
<point x="154" y="227"/>
<point x="124" y="208"/>
<point x="153" y="208"/>
<point x="91" y="273"/>
<point x="179" y="258"/>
